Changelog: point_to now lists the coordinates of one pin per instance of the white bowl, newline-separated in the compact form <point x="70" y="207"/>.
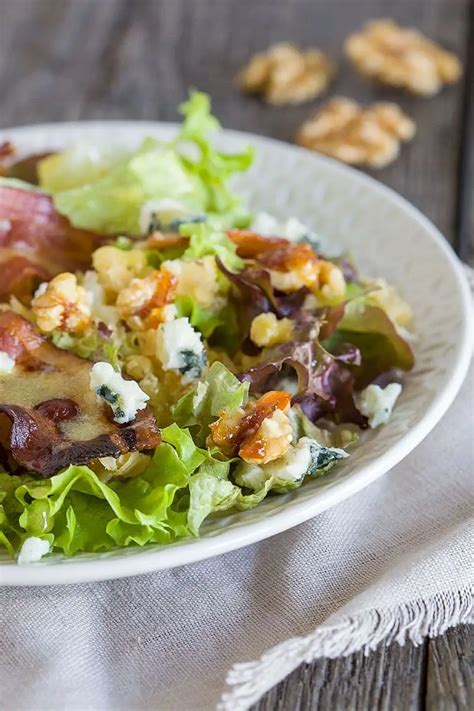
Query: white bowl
<point x="388" y="237"/>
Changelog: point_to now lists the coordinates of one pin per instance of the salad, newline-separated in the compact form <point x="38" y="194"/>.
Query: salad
<point x="165" y="355"/>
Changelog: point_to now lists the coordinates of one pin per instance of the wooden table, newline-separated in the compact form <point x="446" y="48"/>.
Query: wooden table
<point x="135" y="59"/>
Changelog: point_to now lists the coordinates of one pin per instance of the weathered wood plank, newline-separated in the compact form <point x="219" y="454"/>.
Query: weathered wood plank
<point x="464" y="238"/>
<point x="118" y="59"/>
<point x="450" y="671"/>
<point x="390" y="679"/>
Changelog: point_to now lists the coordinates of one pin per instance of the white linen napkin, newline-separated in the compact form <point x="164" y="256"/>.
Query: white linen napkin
<point x="394" y="562"/>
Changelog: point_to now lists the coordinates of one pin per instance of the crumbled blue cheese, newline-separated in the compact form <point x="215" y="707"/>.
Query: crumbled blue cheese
<point x="7" y="363"/>
<point x="166" y="214"/>
<point x="294" y="464"/>
<point x="252" y="476"/>
<point x="307" y="457"/>
<point x="179" y="347"/>
<point x="125" y="397"/>
<point x="169" y="312"/>
<point x="292" y="229"/>
<point x="96" y="300"/>
<point x="32" y="550"/>
<point x="376" y="403"/>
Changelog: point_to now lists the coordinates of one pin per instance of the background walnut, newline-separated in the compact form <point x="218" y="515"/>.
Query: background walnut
<point x="285" y="74"/>
<point x="402" y="57"/>
<point x="345" y="130"/>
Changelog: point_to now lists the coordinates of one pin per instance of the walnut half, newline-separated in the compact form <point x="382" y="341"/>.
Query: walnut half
<point x="360" y="136"/>
<point x="402" y="57"/>
<point x="285" y="74"/>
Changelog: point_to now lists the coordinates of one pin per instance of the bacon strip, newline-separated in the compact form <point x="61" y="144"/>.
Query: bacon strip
<point x="53" y="417"/>
<point x="19" y="275"/>
<point x="251" y="245"/>
<point x="31" y="228"/>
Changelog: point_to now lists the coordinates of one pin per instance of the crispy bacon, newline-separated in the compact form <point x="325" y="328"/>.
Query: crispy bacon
<point x="53" y="417"/>
<point x="19" y="275"/>
<point x="274" y="253"/>
<point x="288" y="257"/>
<point x="31" y="228"/>
<point x="251" y="245"/>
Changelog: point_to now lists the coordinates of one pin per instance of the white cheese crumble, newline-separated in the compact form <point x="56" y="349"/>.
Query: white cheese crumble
<point x="125" y="397"/>
<point x="179" y="347"/>
<point x="251" y="476"/>
<point x="305" y="457"/>
<point x="7" y="363"/>
<point x="32" y="550"/>
<point x="292" y="229"/>
<point x="174" y="266"/>
<point x="96" y="300"/>
<point x="377" y="403"/>
<point x="169" y="312"/>
<point x="156" y="213"/>
<point x="294" y="464"/>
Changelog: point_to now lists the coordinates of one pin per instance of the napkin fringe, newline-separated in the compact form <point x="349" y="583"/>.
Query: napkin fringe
<point x="409" y="621"/>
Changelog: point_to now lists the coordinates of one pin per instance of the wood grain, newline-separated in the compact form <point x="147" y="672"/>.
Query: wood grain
<point x="450" y="670"/>
<point x="135" y="59"/>
<point x="392" y="679"/>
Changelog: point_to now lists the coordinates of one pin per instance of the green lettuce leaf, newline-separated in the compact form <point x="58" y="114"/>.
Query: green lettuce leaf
<point x="77" y="511"/>
<point x="203" y="402"/>
<point x="213" y="167"/>
<point x="112" y="204"/>
<point x="204" y="320"/>
<point x="340" y="436"/>
<point x="370" y="329"/>
<point x="209" y="494"/>
<point x="78" y="165"/>
<point x="105" y="194"/>
<point x="89" y="344"/>
<point x="207" y="239"/>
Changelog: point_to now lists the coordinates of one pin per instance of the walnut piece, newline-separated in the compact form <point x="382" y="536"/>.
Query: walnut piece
<point x="360" y="136"/>
<point x="285" y="74"/>
<point x="61" y="304"/>
<point x="402" y="57"/>
<point x="142" y="304"/>
<point x="259" y="434"/>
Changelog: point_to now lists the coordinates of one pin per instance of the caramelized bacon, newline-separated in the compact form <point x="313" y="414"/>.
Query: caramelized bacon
<point x="251" y="245"/>
<point x="31" y="228"/>
<point x="288" y="257"/>
<point x="53" y="417"/>
<point x="19" y="275"/>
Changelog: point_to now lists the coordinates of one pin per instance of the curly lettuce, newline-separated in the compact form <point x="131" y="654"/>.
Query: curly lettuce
<point x="203" y="402"/>
<point x="75" y="510"/>
<point x="104" y="191"/>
